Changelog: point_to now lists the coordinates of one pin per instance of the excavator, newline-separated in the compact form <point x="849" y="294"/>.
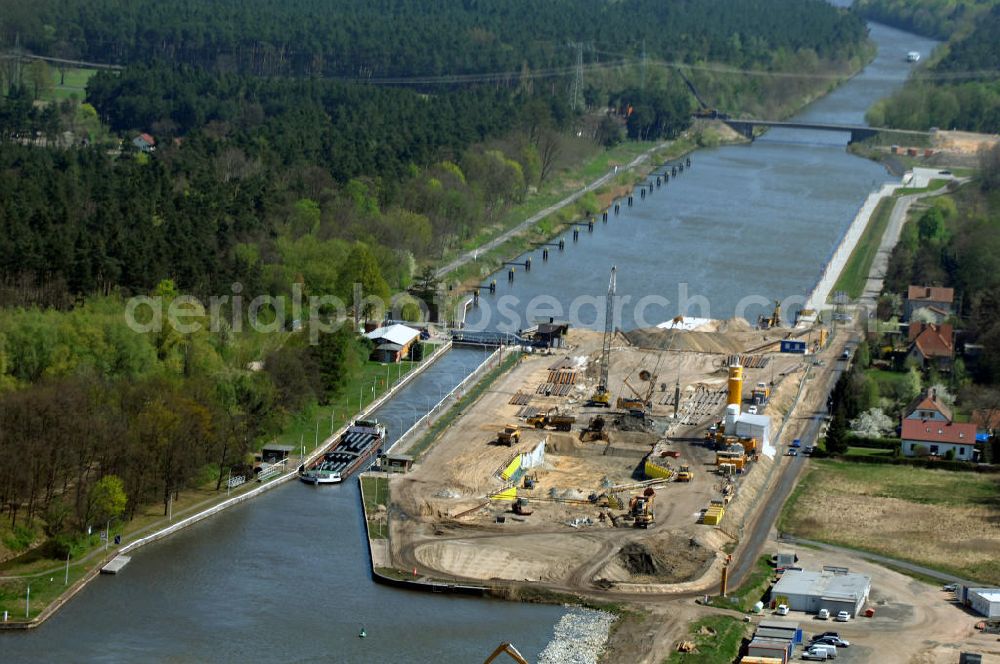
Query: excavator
<point x="640" y="508"/>
<point x="602" y="395"/>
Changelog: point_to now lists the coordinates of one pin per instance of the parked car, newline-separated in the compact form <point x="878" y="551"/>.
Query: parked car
<point x="782" y="610"/>
<point x="793" y="452"/>
<point x="950" y="587"/>
<point x="825" y="648"/>
<point x="834" y="641"/>
<point x="815" y="655"/>
<point x="797" y="442"/>
<point x="808" y="450"/>
<point x="846" y="355"/>
<point x="817" y="637"/>
<point x="843" y="616"/>
<point x="752" y="410"/>
<point x="823" y="614"/>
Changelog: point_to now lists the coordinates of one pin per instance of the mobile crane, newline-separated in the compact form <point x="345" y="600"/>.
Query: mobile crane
<point x="602" y="395"/>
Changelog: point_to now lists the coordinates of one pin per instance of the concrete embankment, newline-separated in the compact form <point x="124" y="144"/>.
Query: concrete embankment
<point x="838" y="259"/>
<point x="288" y="474"/>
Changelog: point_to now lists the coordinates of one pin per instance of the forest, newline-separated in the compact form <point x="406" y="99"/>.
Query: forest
<point x="300" y="145"/>
<point x="939" y="19"/>
<point x="362" y="39"/>
<point x="956" y="242"/>
<point x="959" y="91"/>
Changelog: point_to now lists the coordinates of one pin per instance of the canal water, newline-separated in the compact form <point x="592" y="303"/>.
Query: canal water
<point x="744" y="226"/>
<point x="284" y="578"/>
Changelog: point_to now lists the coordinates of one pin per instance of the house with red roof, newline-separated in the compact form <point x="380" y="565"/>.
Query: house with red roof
<point x="938" y="299"/>
<point x="144" y="143"/>
<point x="928" y="430"/>
<point x="932" y="345"/>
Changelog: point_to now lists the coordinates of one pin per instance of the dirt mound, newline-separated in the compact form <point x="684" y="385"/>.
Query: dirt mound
<point x="639" y="561"/>
<point x="653" y="338"/>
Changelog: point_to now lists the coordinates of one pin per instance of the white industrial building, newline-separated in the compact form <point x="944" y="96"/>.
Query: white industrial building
<point x="833" y="589"/>
<point x="985" y="601"/>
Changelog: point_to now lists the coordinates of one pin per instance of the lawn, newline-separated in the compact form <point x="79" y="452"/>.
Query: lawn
<point x="717" y="640"/>
<point x="940" y="519"/>
<point x="752" y="590"/>
<point x="854" y="276"/>
<point x="316" y="424"/>
<point x="74" y="82"/>
<point x="868" y="451"/>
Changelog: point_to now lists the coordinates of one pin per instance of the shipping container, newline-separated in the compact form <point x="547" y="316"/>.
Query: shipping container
<point x="793" y="346"/>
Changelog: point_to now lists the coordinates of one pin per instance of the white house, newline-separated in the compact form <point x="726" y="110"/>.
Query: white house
<point x="928" y="429"/>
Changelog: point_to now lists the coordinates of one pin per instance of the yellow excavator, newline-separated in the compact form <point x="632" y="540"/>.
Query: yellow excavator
<point x="602" y="395"/>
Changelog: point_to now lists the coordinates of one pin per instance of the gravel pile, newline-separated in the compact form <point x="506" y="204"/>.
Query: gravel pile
<point x="579" y="638"/>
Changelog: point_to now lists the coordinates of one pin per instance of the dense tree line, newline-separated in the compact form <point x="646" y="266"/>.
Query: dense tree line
<point x="960" y="91"/>
<point x="931" y="18"/>
<point x="160" y="411"/>
<point x="362" y="38"/>
<point x="956" y="243"/>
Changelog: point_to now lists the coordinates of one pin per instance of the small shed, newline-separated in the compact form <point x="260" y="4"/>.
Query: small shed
<point x="397" y="463"/>
<point x="273" y="453"/>
<point x="393" y="343"/>
<point x="551" y="333"/>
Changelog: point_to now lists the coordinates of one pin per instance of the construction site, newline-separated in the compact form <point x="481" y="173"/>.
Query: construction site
<point x="620" y="461"/>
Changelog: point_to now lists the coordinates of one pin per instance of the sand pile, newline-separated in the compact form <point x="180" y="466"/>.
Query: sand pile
<point x="703" y="342"/>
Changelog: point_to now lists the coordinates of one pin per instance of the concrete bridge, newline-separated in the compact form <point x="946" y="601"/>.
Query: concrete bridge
<point x="858" y="132"/>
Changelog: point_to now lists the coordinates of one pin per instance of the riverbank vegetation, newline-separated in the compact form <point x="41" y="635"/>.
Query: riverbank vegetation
<point x="263" y="149"/>
<point x="931" y="18"/>
<point x="960" y="90"/>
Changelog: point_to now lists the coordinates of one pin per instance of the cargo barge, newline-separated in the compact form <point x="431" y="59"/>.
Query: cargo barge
<point x="354" y="449"/>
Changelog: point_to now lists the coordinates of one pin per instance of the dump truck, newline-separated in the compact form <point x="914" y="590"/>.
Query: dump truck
<point x="684" y="474"/>
<point x="760" y="394"/>
<point x="640" y="508"/>
<point x="552" y="419"/>
<point x="509" y="435"/>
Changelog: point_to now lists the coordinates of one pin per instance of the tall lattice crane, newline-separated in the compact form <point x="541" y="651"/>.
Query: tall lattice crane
<point x="602" y="397"/>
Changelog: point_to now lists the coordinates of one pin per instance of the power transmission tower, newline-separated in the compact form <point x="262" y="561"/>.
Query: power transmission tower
<point x="576" y="91"/>
<point x="643" y="68"/>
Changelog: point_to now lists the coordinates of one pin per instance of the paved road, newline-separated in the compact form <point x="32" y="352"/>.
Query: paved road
<point x="753" y="543"/>
<point x="538" y="216"/>
<point x="885" y="560"/>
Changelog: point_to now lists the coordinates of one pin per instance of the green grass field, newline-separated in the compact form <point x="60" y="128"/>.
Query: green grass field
<point x="373" y="381"/>
<point x="375" y="492"/>
<point x="717" y="641"/>
<point x="73" y="83"/>
<point x="748" y="594"/>
<point x="854" y="276"/>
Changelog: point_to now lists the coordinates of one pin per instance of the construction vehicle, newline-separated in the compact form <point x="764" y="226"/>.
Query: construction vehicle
<point x="521" y="507"/>
<point x="684" y="473"/>
<point x="594" y="430"/>
<point x="553" y="419"/>
<point x="602" y="395"/>
<point x="511" y="652"/>
<point x="530" y="481"/>
<point x="640" y="508"/>
<point x="760" y="394"/>
<point x="509" y="435"/>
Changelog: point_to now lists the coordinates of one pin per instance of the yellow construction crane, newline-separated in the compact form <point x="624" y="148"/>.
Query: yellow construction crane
<point x="602" y="396"/>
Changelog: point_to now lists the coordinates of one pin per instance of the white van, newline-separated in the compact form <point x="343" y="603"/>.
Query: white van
<point x="823" y="614"/>
<point x="831" y="651"/>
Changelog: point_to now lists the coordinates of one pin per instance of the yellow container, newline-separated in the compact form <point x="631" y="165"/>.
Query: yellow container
<point x="753" y="659"/>
<point x="714" y="515"/>
<point x="654" y="471"/>
<point x="735" y="385"/>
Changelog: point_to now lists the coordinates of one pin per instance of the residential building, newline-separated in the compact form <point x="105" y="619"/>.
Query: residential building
<point x="144" y="143"/>
<point x="928" y="430"/>
<point x="920" y="297"/>
<point x="932" y="345"/>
